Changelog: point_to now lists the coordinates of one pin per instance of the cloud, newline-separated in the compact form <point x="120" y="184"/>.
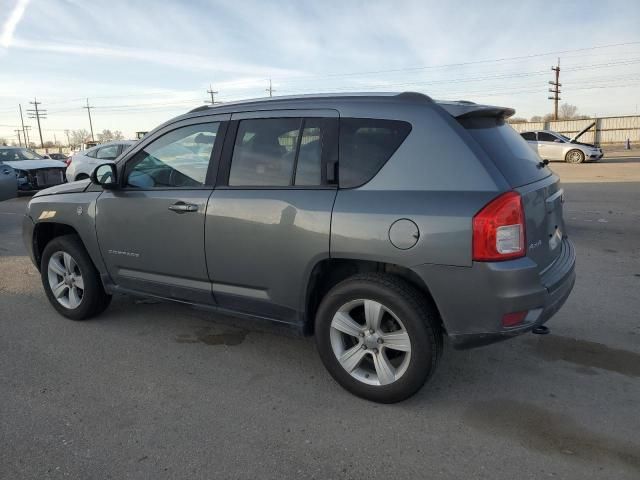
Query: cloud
<point x="9" y="27"/>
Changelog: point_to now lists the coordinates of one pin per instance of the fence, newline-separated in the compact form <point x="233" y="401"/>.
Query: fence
<point x="606" y="129"/>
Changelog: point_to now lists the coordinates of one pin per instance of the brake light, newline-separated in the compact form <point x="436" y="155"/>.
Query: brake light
<point x="68" y="161"/>
<point x="513" y="319"/>
<point x="498" y="229"/>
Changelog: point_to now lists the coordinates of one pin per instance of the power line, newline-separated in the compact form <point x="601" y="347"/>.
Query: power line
<point x="37" y="114"/>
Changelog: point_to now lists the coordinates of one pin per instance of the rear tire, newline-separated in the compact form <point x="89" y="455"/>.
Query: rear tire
<point x="574" y="156"/>
<point x="70" y="279"/>
<point x="391" y="361"/>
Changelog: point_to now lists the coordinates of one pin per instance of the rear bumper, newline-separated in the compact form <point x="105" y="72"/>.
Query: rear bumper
<point x="472" y="301"/>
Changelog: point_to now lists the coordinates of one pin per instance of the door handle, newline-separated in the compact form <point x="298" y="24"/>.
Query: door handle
<point x="181" y="207"/>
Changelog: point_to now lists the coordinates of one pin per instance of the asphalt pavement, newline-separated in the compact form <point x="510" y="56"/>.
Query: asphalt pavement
<point x="159" y="390"/>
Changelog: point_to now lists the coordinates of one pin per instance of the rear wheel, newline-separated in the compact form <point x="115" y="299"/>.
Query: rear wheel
<point x="70" y="279"/>
<point x="378" y="337"/>
<point x="574" y="156"/>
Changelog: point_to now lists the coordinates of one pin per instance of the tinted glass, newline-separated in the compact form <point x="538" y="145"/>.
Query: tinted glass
<point x="179" y="158"/>
<point x="108" y="153"/>
<point x="13" y="154"/>
<point x="365" y="146"/>
<point x="264" y="152"/>
<point x="546" y="137"/>
<point x="512" y="155"/>
<point x="309" y="165"/>
<point x="528" y="135"/>
<point x="93" y="153"/>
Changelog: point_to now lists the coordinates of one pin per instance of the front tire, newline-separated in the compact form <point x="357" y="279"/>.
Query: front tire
<point x="574" y="156"/>
<point x="70" y="279"/>
<point x="378" y="337"/>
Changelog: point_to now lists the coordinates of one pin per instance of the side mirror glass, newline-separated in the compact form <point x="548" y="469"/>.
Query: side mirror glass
<point x="105" y="175"/>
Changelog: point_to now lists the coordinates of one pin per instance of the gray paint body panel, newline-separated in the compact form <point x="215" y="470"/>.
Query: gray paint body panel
<point x="263" y="243"/>
<point x="8" y="182"/>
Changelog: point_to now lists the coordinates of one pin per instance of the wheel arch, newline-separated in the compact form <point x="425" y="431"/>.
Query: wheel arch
<point x="44" y="232"/>
<point x="329" y="272"/>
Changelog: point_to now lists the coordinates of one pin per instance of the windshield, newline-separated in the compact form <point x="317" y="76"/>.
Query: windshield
<point x="12" y="154"/>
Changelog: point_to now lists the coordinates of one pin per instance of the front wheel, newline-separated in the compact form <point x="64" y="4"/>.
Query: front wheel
<point x="378" y="337"/>
<point x="574" y="156"/>
<point x="70" y="279"/>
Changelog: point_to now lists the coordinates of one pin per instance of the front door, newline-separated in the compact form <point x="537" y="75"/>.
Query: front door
<point x="550" y="147"/>
<point x="268" y="222"/>
<point x="151" y="231"/>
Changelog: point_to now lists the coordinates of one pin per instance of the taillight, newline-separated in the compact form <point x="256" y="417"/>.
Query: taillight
<point x="68" y="161"/>
<point x="498" y="229"/>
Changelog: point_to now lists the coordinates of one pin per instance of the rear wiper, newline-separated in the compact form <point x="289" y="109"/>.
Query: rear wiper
<point x="543" y="163"/>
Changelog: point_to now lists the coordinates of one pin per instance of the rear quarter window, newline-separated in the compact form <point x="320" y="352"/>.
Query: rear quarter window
<point x="515" y="159"/>
<point x="365" y="146"/>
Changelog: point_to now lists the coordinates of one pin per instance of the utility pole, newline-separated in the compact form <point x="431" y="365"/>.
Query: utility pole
<point x="211" y="92"/>
<point x="89" y="107"/>
<point x="26" y="134"/>
<point x="19" y="138"/>
<point x="66" y="132"/>
<point x="555" y="90"/>
<point x="24" y="131"/>
<point x="270" y="89"/>
<point x="37" y="114"/>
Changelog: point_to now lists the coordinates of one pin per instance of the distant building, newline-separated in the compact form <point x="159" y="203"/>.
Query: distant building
<point x="139" y="135"/>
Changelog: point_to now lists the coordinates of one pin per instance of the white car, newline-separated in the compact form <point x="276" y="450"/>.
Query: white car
<point x="552" y="146"/>
<point x="83" y="163"/>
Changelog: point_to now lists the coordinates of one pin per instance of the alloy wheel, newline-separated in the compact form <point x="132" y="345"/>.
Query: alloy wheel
<point x="65" y="280"/>
<point x="370" y="342"/>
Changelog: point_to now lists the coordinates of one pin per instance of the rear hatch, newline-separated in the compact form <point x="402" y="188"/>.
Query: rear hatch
<point x="542" y="196"/>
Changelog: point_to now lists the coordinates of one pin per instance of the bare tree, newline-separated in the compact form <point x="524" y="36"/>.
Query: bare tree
<point x="517" y="120"/>
<point x="3" y="141"/>
<point x="117" y="135"/>
<point x="567" y="111"/>
<point x="78" y="137"/>
<point x="536" y="118"/>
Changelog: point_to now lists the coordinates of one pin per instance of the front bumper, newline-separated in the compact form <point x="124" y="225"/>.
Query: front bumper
<point x="472" y="301"/>
<point x="33" y="180"/>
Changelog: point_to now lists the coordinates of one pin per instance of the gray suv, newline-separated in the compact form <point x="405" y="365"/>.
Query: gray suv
<point x="380" y="223"/>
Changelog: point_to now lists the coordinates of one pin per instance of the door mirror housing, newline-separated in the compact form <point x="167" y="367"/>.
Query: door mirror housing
<point x="105" y="175"/>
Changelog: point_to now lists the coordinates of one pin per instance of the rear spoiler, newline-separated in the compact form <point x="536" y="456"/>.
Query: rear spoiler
<point x="465" y="109"/>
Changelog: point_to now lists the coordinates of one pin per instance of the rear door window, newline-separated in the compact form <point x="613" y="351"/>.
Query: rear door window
<point x="546" y="137"/>
<point x="519" y="163"/>
<point x="529" y="136"/>
<point x="365" y="146"/>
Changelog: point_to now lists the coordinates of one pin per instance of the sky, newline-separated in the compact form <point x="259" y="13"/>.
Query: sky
<point x="140" y="63"/>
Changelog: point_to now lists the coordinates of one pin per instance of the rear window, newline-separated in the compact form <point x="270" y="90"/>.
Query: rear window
<point x="510" y="152"/>
<point x="365" y="146"/>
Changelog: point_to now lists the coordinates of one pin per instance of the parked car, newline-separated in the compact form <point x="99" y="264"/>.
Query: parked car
<point x="83" y="163"/>
<point x="58" y="156"/>
<point x="380" y="223"/>
<point x="552" y="145"/>
<point x="8" y="184"/>
<point x="32" y="170"/>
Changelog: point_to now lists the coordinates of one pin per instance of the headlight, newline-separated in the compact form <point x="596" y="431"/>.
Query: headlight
<point x="21" y="173"/>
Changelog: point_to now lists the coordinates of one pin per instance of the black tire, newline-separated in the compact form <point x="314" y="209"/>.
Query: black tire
<point x="94" y="299"/>
<point x="420" y="319"/>
<point x="574" y="156"/>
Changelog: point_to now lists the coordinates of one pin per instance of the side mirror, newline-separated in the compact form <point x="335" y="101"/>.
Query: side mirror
<point x="557" y="140"/>
<point x="105" y="175"/>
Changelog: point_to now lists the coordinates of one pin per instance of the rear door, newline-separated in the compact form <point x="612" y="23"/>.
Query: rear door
<point x="8" y="182"/>
<point x="151" y="231"/>
<point x="268" y="221"/>
<point x="540" y="189"/>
